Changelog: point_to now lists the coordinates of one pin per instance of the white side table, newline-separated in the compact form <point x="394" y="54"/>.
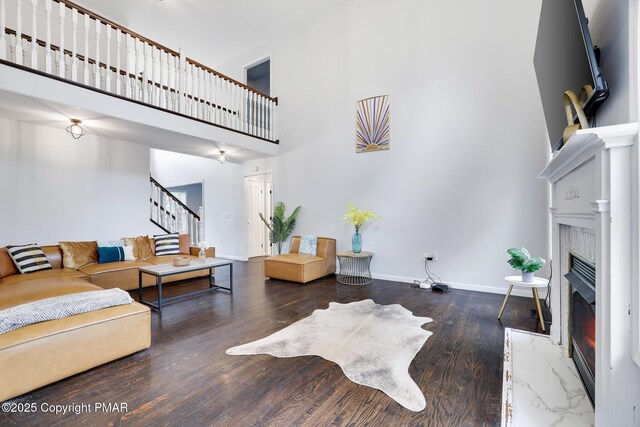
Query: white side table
<point x="538" y="282"/>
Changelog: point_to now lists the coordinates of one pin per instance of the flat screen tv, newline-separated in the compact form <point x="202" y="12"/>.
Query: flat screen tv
<point x="565" y="59"/>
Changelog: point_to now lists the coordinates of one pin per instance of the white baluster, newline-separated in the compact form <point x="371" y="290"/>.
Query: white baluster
<point x="192" y="85"/>
<point x="34" y="35"/>
<point x="157" y="83"/>
<point x="237" y="105"/>
<point x="3" y="26"/>
<point x="98" y="81"/>
<point x="107" y="71"/>
<point x="145" y="72"/>
<point x="275" y="123"/>
<point x="242" y="108"/>
<point x="272" y="108"/>
<point x="85" y="66"/>
<point x="172" y="82"/>
<point x="258" y="115"/>
<point x="162" y="79"/>
<point x="138" y="85"/>
<point x="62" y="67"/>
<point x="200" y="228"/>
<point x="216" y="98"/>
<point x="182" y="83"/>
<point x="74" y="45"/>
<point x="212" y="107"/>
<point x="263" y="116"/>
<point x="19" y="50"/>
<point x="118" y="61"/>
<point x="130" y="64"/>
<point x="252" y="113"/>
<point x="201" y="93"/>
<point x="232" y="94"/>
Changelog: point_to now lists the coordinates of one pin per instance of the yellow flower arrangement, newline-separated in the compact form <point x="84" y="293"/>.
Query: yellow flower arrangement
<point x="357" y="217"/>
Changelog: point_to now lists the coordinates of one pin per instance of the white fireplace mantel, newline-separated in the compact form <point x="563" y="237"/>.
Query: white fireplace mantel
<point x="595" y="191"/>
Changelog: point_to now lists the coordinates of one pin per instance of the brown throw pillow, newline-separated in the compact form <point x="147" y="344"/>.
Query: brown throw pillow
<point x="184" y="243"/>
<point x="7" y="267"/>
<point x="76" y="255"/>
<point x="141" y="247"/>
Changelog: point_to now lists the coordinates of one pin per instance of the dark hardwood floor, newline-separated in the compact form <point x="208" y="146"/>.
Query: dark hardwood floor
<point x="186" y="378"/>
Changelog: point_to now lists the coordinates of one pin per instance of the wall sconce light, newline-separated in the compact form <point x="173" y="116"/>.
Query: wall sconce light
<point x="75" y="129"/>
<point x="222" y="158"/>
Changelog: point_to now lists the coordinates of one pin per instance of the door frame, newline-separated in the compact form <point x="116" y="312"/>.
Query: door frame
<point x="268" y="208"/>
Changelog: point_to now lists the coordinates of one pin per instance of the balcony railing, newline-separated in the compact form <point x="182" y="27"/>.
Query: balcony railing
<point x="62" y="39"/>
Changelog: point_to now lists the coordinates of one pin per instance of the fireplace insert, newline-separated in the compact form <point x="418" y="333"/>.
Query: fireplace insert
<point x="582" y="278"/>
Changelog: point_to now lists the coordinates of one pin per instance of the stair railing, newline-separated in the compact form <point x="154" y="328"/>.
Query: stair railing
<point x="173" y="216"/>
<point x="62" y="39"/>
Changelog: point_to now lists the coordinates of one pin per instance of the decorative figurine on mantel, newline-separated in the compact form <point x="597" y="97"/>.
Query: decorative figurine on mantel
<point x="357" y="217"/>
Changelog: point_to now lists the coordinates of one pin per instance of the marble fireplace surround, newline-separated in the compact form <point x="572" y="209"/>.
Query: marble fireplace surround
<point x="594" y="208"/>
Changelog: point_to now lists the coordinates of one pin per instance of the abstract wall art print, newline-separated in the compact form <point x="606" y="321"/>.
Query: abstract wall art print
<point x="372" y="124"/>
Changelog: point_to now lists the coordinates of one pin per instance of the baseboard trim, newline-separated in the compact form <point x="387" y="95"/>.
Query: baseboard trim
<point x="467" y="286"/>
<point x="232" y="257"/>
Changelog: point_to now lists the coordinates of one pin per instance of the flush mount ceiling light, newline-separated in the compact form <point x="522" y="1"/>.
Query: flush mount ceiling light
<point x="222" y="158"/>
<point x="75" y="129"/>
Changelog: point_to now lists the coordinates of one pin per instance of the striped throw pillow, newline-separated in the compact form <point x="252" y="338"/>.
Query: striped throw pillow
<point x="28" y="258"/>
<point x="167" y="244"/>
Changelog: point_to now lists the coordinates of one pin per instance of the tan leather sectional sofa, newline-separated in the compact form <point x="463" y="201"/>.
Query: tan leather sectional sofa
<point x="42" y="353"/>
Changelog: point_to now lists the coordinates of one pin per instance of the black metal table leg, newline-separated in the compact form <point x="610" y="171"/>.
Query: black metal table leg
<point x="231" y="278"/>
<point x="139" y="286"/>
<point x="211" y="278"/>
<point x="159" y="283"/>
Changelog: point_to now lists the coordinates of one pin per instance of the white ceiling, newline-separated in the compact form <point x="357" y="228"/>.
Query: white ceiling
<point x="210" y="31"/>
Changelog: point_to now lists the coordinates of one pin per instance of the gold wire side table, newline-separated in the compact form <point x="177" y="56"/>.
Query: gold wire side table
<point x="354" y="268"/>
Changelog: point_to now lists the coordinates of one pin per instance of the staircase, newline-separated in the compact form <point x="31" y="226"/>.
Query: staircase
<point x="173" y="216"/>
<point x="64" y="41"/>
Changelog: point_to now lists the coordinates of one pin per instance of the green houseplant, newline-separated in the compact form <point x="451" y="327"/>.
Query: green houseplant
<point x="281" y="226"/>
<point x="521" y="260"/>
<point x="357" y="217"/>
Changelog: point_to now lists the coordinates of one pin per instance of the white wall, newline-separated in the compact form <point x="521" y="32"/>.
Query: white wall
<point x="223" y="196"/>
<point x="54" y="188"/>
<point x="611" y="27"/>
<point x="468" y="137"/>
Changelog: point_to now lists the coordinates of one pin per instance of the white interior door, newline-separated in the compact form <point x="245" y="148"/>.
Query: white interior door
<point x="255" y="203"/>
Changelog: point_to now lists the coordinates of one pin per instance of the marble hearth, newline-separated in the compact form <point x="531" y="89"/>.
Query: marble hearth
<point x="595" y="191"/>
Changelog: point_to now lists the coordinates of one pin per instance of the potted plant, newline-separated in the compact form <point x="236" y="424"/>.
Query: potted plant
<point x="281" y="227"/>
<point x="357" y="217"/>
<point x="521" y="260"/>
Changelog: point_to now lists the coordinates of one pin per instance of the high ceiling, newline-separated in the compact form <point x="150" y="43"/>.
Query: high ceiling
<point x="209" y="31"/>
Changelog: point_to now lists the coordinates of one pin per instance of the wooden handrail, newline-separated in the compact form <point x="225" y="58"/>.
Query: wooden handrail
<point x="104" y="20"/>
<point x="156" y="183"/>
<point x="229" y="79"/>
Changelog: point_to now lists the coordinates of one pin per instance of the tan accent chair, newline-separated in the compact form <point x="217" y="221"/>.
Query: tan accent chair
<point x="302" y="268"/>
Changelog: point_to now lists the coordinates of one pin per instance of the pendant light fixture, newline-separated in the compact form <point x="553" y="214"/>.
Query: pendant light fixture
<point x="75" y="129"/>
<point x="222" y="158"/>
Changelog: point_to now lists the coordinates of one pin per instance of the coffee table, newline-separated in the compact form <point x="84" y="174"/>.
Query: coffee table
<point x="164" y="270"/>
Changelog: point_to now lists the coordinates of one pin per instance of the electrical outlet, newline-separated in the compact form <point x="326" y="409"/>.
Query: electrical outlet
<point x="430" y="256"/>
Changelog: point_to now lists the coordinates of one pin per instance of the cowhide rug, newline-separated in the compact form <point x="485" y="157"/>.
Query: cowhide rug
<point x="373" y="344"/>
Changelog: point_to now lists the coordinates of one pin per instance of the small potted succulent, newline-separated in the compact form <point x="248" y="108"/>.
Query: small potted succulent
<point x="521" y="260"/>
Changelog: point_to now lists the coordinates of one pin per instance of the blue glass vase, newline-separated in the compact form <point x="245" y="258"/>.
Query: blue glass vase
<point x="356" y="242"/>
